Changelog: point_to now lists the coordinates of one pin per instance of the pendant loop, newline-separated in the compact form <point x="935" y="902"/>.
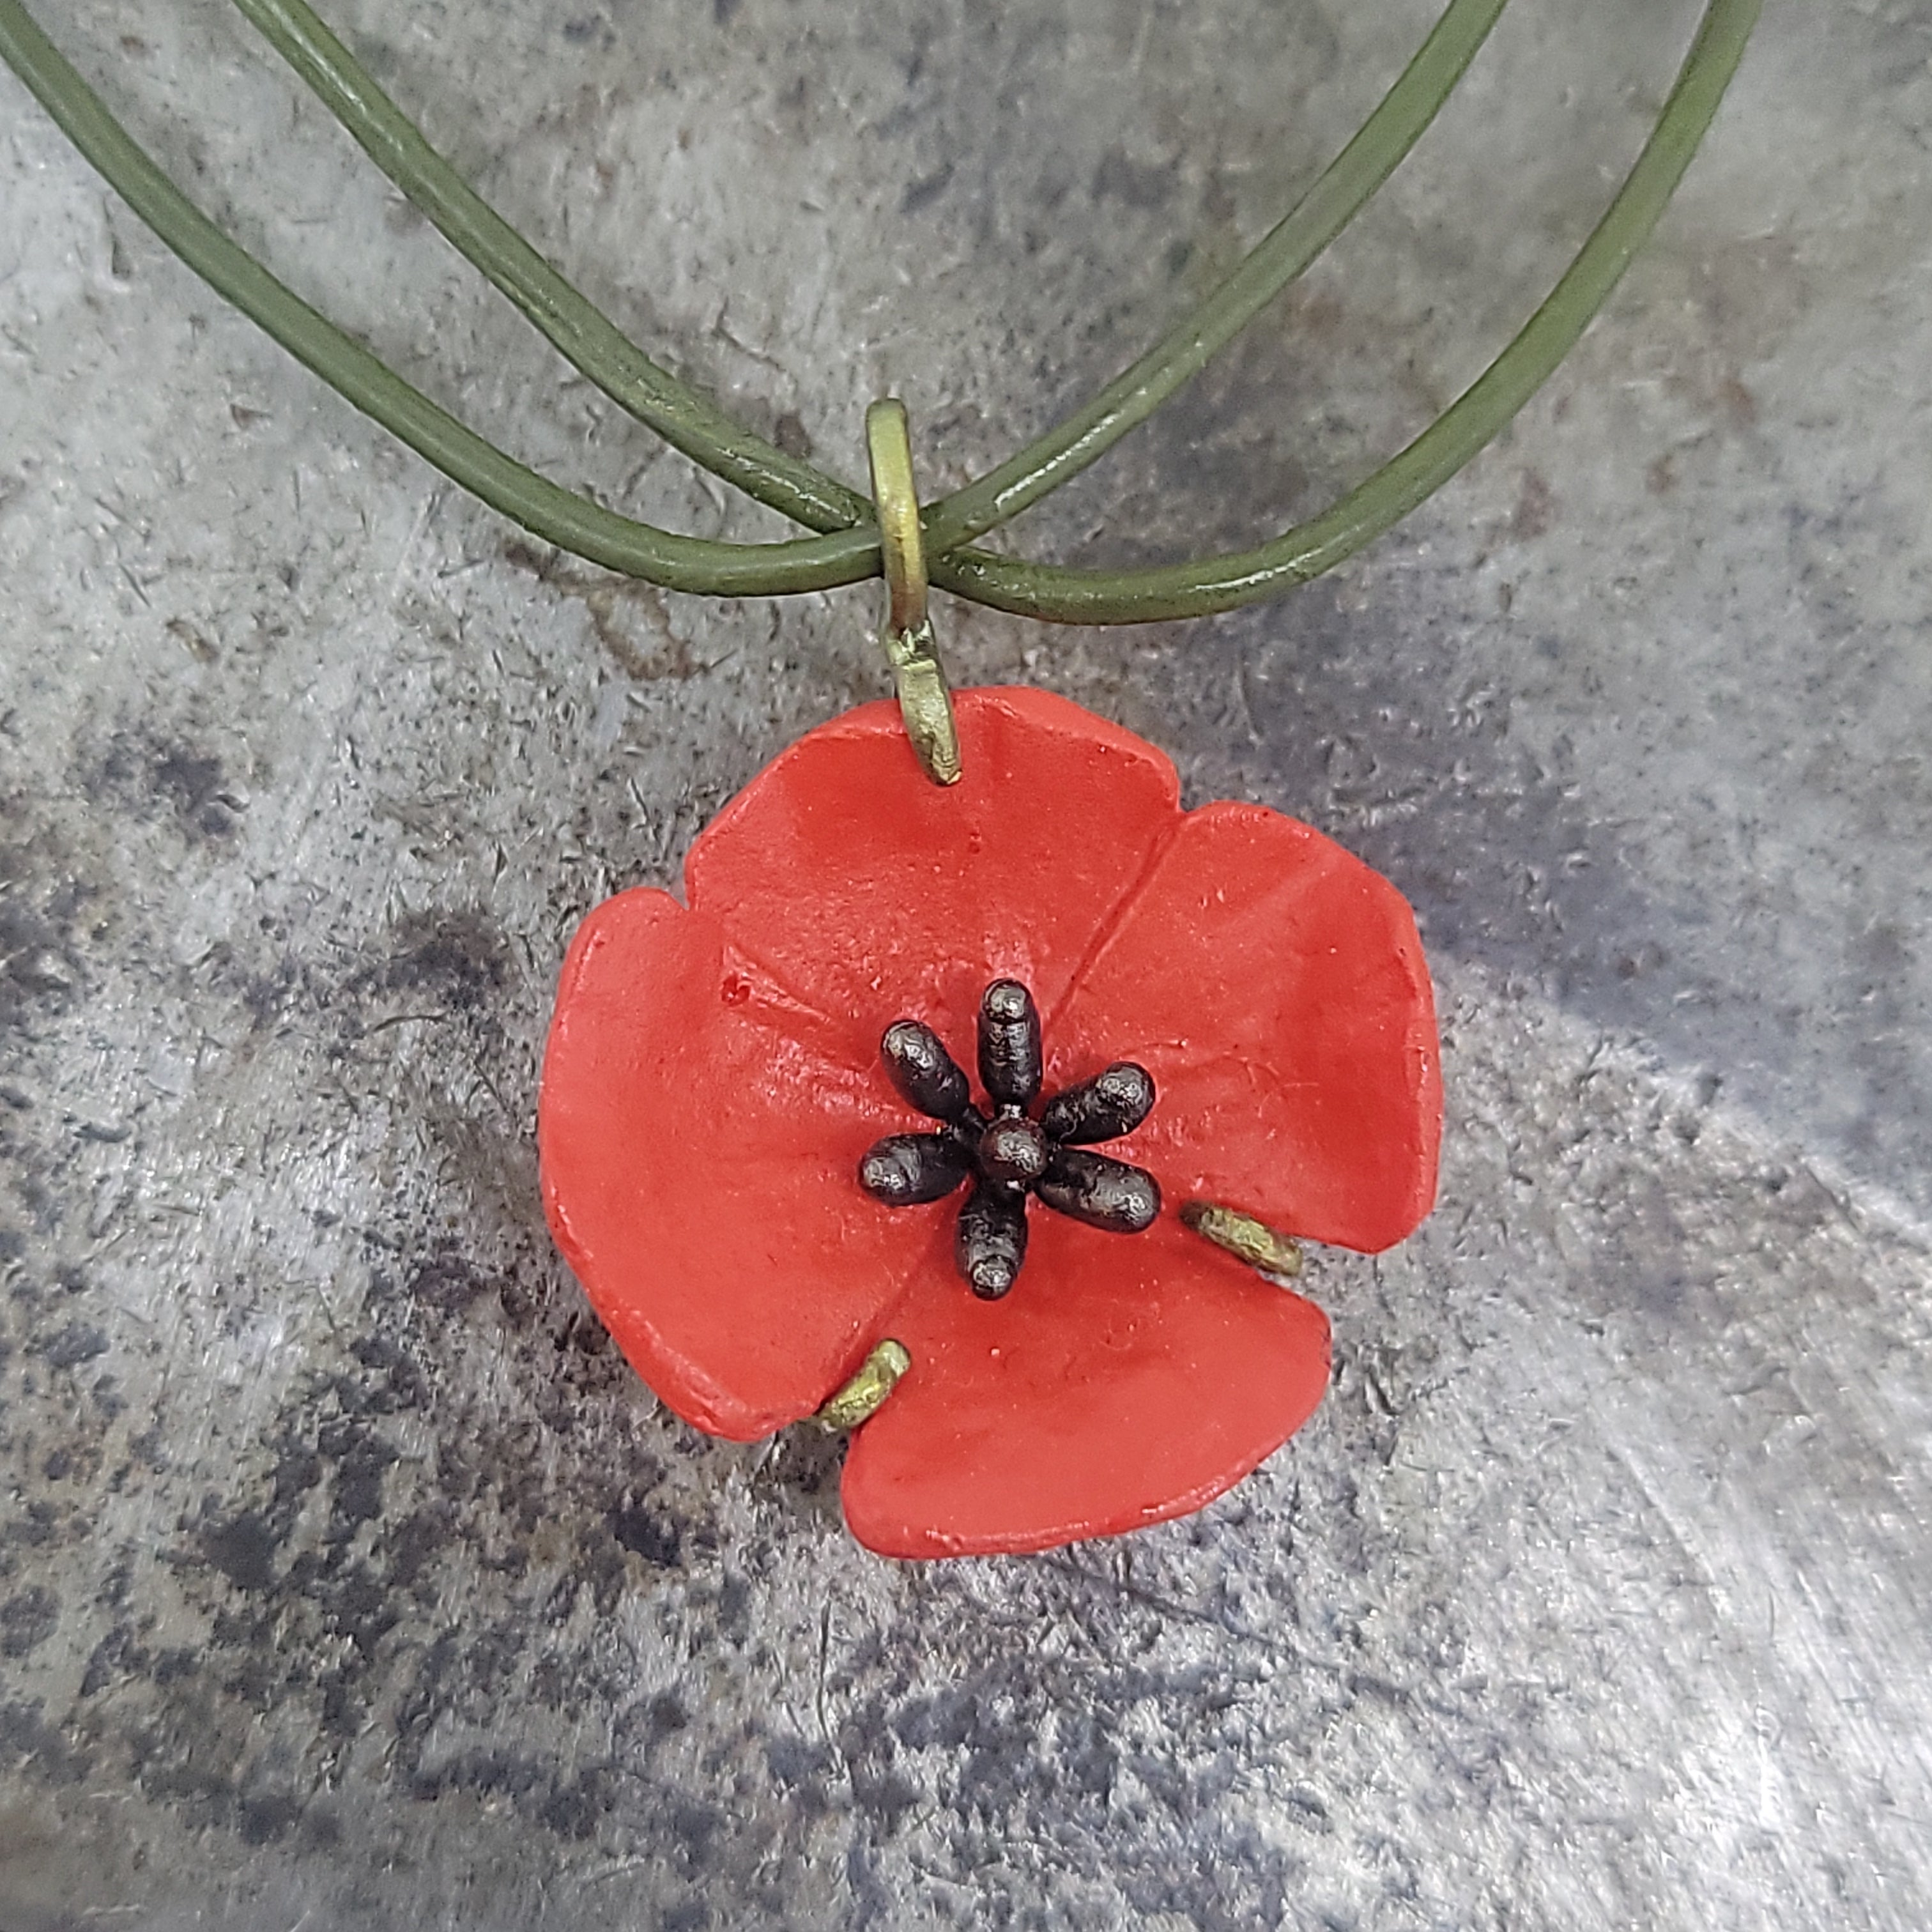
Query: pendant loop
<point x="926" y="701"/>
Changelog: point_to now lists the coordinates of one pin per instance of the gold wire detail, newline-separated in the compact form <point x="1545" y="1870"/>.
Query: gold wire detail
<point x="925" y="702"/>
<point x="1248" y="1239"/>
<point x="878" y="1375"/>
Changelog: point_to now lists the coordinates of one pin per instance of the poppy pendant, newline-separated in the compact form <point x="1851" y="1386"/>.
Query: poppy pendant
<point x="750" y="1119"/>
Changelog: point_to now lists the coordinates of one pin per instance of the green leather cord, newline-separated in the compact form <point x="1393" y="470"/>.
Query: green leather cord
<point x="1472" y="421"/>
<point x="694" y="424"/>
<point x="847" y="548"/>
<point x="685" y="418"/>
<point x="543" y="507"/>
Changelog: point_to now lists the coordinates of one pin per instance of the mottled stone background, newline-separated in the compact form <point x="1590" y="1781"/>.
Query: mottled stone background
<point x="348" y="1579"/>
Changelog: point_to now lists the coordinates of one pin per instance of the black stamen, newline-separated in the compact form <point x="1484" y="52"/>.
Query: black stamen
<point x="903" y="1170"/>
<point x="1009" y="1061"/>
<point x="1101" y="1191"/>
<point x="1111" y="1104"/>
<point x="1010" y="1156"/>
<point x="923" y="1070"/>
<point x="992" y="1239"/>
<point x="1012" y="1150"/>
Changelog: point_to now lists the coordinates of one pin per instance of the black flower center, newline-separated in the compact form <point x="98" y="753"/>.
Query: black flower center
<point x="1008" y="1157"/>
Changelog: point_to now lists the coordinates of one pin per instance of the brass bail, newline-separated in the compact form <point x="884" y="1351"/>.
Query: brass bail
<point x="925" y="703"/>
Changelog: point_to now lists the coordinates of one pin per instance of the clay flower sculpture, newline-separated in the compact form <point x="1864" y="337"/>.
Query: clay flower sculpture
<point x="715" y="1098"/>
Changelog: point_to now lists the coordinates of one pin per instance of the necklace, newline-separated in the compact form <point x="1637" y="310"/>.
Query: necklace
<point x="926" y="1480"/>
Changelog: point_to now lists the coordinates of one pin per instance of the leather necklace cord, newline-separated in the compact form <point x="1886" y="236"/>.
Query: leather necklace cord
<point x="846" y="547"/>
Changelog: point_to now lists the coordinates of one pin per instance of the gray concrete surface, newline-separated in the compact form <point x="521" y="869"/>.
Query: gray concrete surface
<point x="348" y="1579"/>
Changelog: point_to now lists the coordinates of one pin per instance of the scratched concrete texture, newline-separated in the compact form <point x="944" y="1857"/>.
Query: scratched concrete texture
<point x="348" y="1579"/>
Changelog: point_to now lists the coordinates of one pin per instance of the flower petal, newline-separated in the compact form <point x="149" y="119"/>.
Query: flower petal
<point x="1275" y="988"/>
<point x="873" y="893"/>
<point x="1126" y="1379"/>
<point x="699" y="1161"/>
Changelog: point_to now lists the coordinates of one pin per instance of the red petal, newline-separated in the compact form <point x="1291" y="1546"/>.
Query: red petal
<point x="873" y="893"/>
<point x="1126" y="1379"/>
<point x="699" y="1165"/>
<point x="1275" y="988"/>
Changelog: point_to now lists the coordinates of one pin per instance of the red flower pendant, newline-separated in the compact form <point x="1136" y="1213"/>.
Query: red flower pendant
<point x="713" y="1084"/>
